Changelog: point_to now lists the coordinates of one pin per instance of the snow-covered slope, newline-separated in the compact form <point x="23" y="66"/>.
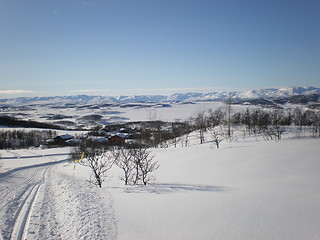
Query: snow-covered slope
<point x="243" y="191"/>
<point x="246" y="190"/>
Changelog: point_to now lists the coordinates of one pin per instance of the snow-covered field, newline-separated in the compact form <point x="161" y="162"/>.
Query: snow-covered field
<point x="111" y="114"/>
<point x="248" y="189"/>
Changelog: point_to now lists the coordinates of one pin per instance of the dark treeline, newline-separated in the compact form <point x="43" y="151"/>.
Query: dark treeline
<point x="16" y="139"/>
<point x="14" y="122"/>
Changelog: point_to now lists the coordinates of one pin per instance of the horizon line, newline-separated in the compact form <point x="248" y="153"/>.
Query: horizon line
<point x="10" y="94"/>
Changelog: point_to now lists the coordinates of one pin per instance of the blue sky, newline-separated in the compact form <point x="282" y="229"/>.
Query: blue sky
<point x="68" y="47"/>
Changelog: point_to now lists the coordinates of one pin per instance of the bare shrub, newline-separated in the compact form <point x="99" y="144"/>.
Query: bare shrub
<point x="216" y="137"/>
<point x="124" y="160"/>
<point x="144" y="164"/>
<point x="98" y="159"/>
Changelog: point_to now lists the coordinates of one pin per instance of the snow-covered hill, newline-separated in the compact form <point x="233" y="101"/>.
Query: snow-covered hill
<point x="246" y="190"/>
<point x="269" y="93"/>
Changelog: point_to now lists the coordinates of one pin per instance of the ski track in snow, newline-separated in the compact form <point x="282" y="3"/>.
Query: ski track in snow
<point x="43" y="203"/>
<point x="22" y="216"/>
<point x="77" y="209"/>
<point x="18" y="199"/>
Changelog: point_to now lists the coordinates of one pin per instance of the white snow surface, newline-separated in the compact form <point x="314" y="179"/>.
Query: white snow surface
<point x="247" y="189"/>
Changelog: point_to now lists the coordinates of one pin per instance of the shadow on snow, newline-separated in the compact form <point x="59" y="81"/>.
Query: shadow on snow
<point x="8" y="173"/>
<point x="162" y="188"/>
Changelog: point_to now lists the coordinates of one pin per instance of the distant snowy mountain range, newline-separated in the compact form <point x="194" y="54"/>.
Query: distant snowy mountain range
<point x="268" y="94"/>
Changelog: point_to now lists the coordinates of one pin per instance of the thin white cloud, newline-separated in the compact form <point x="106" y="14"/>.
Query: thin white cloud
<point x="56" y="12"/>
<point x="12" y="92"/>
<point x="167" y="91"/>
<point x="176" y="89"/>
<point x="146" y="91"/>
<point x="86" y="3"/>
<point x="89" y="90"/>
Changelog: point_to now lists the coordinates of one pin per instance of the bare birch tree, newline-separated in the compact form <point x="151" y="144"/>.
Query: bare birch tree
<point x="144" y="165"/>
<point x="124" y="160"/>
<point x="200" y="122"/>
<point x="216" y="137"/>
<point x="99" y="160"/>
<point x="228" y="110"/>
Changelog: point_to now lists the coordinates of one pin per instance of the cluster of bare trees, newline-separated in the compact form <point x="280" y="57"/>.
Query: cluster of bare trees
<point x="220" y="124"/>
<point x="274" y="122"/>
<point x="161" y="134"/>
<point x="208" y="121"/>
<point x="16" y="139"/>
<point x="270" y="123"/>
<point x="136" y="162"/>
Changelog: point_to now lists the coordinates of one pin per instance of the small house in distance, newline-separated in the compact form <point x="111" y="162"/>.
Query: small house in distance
<point x="117" y="140"/>
<point x="62" y="138"/>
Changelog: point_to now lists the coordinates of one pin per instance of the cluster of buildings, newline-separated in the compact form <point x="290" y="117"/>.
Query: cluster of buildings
<point x="107" y="135"/>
